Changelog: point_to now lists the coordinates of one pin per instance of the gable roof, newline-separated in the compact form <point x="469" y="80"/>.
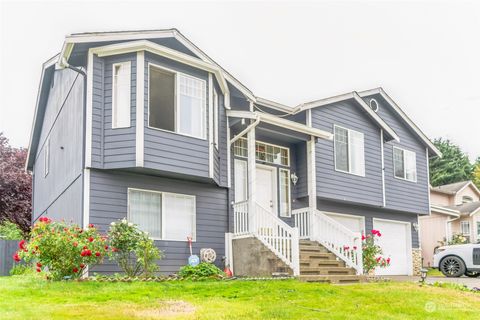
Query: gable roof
<point x="467" y="209"/>
<point x="454" y="188"/>
<point x="404" y="117"/>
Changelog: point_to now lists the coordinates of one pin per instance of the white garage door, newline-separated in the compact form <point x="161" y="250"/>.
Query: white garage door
<point x="396" y="243"/>
<point x="354" y="223"/>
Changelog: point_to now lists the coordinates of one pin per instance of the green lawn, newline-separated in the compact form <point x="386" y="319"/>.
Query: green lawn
<point x="33" y="298"/>
<point x="432" y="272"/>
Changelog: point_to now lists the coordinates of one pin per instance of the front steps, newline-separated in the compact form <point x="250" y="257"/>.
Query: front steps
<point x="317" y="264"/>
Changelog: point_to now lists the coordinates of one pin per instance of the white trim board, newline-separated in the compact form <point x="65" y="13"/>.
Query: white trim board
<point x="140" y="110"/>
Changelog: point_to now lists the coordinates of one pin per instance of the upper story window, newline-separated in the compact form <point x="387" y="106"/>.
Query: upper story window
<point x="46" y="159"/>
<point x="404" y="164"/>
<point x="349" y="151"/>
<point x="177" y="102"/>
<point x="121" y="95"/>
<point x="165" y="216"/>
<point x="467" y="199"/>
<point x="215" y="118"/>
<point x="264" y="152"/>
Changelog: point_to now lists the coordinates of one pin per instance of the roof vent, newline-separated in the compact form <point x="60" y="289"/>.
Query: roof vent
<point x="374" y="105"/>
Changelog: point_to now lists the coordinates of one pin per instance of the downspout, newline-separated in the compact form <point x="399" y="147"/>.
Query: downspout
<point x="246" y="130"/>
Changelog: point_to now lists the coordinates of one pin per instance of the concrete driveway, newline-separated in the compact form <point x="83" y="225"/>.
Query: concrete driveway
<point x="469" y="282"/>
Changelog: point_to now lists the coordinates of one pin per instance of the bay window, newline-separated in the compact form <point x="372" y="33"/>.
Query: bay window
<point x="349" y="151"/>
<point x="404" y="164"/>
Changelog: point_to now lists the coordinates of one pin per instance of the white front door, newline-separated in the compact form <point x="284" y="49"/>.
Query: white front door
<point x="396" y="243"/>
<point x="266" y="187"/>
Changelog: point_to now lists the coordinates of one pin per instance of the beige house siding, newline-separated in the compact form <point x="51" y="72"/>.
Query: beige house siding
<point x="468" y="191"/>
<point x="432" y="230"/>
<point x="441" y="199"/>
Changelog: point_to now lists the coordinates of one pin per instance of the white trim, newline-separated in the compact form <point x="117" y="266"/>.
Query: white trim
<point x="309" y="117"/>
<point x="475" y="212"/>
<point x="89" y="106"/>
<point x="362" y="218"/>
<point x="86" y="197"/>
<point x="289" y="200"/>
<point x="251" y="174"/>
<point x="443" y="210"/>
<point x="229" y="156"/>
<point x="384" y="200"/>
<point x="240" y="137"/>
<point x="311" y="174"/>
<point x="243" y="132"/>
<point x="462" y="223"/>
<point x="404" y="164"/>
<point x="409" y="240"/>
<point x="140" y="110"/>
<point x="216" y="120"/>
<point x="428" y="180"/>
<point x="376" y="103"/>
<point x="245" y="177"/>
<point x="210" y="126"/>
<point x="163" y="193"/>
<point x="46" y="158"/>
<point x="127" y="65"/>
<point x="403" y="116"/>
<point x="348" y="157"/>
<point x="470" y="183"/>
<point x="273" y="105"/>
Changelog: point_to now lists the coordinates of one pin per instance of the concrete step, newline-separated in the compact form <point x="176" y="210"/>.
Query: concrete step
<point x="317" y="256"/>
<point x="326" y="271"/>
<point x="321" y="263"/>
<point x="337" y="279"/>
<point x="308" y="243"/>
<point x="313" y="248"/>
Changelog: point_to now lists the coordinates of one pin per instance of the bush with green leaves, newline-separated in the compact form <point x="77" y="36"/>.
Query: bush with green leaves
<point x="21" y="269"/>
<point x="62" y="250"/>
<point x="201" y="271"/>
<point x="10" y="231"/>
<point x="132" y="249"/>
<point x="372" y="252"/>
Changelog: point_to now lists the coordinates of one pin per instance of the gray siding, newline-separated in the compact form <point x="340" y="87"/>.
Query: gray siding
<point x="57" y="194"/>
<point x="401" y="194"/>
<point x="111" y="148"/>
<point x="168" y="151"/>
<point x="108" y="202"/>
<point x="7" y="250"/>
<point x="342" y="186"/>
<point x="369" y="214"/>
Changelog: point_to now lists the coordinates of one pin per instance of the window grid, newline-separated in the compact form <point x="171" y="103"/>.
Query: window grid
<point x="285" y="193"/>
<point x="465" y="227"/>
<point x="404" y="164"/>
<point x="263" y="152"/>
<point x="349" y="151"/>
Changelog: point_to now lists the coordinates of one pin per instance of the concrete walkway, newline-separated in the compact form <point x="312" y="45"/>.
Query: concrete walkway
<point x="469" y="282"/>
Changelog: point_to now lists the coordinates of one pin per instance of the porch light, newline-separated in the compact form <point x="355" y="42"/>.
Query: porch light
<point x="423" y="274"/>
<point x="415" y="226"/>
<point x="294" y="178"/>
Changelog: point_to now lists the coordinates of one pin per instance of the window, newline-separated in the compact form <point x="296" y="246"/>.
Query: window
<point x="215" y="118"/>
<point x="465" y="228"/>
<point x="467" y="199"/>
<point x="46" y="159"/>
<point x="284" y="193"/>
<point x="165" y="216"/>
<point x="121" y="97"/>
<point x="264" y="152"/>
<point x="349" y="151"/>
<point x="240" y="180"/>
<point x="177" y="102"/>
<point x="404" y="164"/>
<point x="374" y="105"/>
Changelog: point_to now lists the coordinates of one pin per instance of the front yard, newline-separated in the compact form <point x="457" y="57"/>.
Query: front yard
<point x="26" y="297"/>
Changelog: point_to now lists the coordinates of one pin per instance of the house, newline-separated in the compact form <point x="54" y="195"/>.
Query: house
<point x="454" y="209"/>
<point x="145" y="125"/>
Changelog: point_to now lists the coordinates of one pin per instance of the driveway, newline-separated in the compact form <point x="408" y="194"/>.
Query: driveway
<point x="469" y="282"/>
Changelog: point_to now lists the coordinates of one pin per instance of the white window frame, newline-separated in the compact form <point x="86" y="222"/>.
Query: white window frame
<point x="266" y="144"/>
<point x="177" y="120"/>
<point x="467" y="199"/>
<point x="236" y="163"/>
<point x="405" y="151"/>
<point x="288" y="214"/>
<point x="349" y="158"/>
<point x="215" y="118"/>
<point x="462" y="225"/>
<point x="46" y="159"/>
<point x="164" y="226"/>
<point x="128" y="66"/>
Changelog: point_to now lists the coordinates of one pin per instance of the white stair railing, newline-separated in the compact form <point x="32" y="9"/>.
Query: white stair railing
<point x="344" y="243"/>
<point x="278" y="236"/>
<point x="240" y="218"/>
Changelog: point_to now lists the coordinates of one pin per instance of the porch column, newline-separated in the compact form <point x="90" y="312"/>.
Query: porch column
<point x="251" y="178"/>
<point x="311" y="174"/>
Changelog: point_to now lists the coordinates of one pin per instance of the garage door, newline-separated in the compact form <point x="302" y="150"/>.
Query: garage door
<point x="354" y="223"/>
<point x="396" y="243"/>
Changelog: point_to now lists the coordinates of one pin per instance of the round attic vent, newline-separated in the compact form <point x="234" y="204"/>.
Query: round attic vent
<point x="374" y="105"/>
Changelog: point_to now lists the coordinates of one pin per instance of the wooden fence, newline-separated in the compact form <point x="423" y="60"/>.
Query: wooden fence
<point x="7" y="249"/>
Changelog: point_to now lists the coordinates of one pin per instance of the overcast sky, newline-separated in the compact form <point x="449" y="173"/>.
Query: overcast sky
<point x="425" y="55"/>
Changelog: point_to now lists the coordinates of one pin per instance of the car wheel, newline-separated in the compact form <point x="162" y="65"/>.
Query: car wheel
<point x="452" y="267"/>
<point x="472" y="274"/>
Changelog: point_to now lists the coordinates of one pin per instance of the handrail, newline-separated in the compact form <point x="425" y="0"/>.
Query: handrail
<point x="240" y="218"/>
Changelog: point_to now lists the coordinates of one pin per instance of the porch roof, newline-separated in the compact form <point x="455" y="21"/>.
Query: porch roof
<point x="274" y="121"/>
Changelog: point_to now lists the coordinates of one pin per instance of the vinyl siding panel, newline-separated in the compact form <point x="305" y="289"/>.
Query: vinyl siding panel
<point x="108" y="202"/>
<point x="335" y="185"/>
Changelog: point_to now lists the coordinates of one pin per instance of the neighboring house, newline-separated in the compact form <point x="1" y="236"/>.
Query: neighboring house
<point x="454" y="209"/>
<point x="145" y="125"/>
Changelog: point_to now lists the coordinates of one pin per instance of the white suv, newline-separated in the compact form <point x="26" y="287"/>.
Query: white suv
<point x="458" y="260"/>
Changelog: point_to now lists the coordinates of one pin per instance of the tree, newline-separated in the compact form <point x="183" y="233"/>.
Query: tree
<point x="476" y="173"/>
<point x="15" y="186"/>
<point x="453" y="166"/>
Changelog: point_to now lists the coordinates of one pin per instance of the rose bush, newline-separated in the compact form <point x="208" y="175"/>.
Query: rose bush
<point x="132" y="249"/>
<point x="372" y="252"/>
<point x="62" y="250"/>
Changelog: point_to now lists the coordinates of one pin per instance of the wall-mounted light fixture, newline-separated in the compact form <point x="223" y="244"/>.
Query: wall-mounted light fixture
<point x="415" y="226"/>
<point x="294" y="178"/>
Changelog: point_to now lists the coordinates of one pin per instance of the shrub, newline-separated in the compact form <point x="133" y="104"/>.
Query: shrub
<point x="372" y="252"/>
<point x="132" y="249"/>
<point x="62" y="250"/>
<point x="10" y="231"/>
<point x="21" y="269"/>
<point x="203" y="270"/>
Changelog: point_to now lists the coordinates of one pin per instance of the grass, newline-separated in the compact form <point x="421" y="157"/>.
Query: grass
<point x="432" y="272"/>
<point x="24" y="297"/>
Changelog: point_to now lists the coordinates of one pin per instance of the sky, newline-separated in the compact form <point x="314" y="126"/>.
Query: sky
<point x="426" y="55"/>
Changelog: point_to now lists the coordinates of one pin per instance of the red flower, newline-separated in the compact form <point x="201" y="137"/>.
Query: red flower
<point x="36" y="247"/>
<point x="97" y="254"/>
<point x="75" y="270"/>
<point x="354" y="247"/>
<point x="83" y="253"/>
<point x="21" y="244"/>
<point x="82" y="265"/>
<point x="44" y="219"/>
<point x="388" y="260"/>
<point x="16" y="257"/>
<point x="89" y="252"/>
<point x="39" y="270"/>
<point x="378" y="259"/>
<point x="39" y="264"/>
<point x="363" y="237"/>
<point x="106" y="247"/>
<point x="379" y="234"/>
<point x="75" y="244"/>
<point x="346" y="248"/>
<point x="84" y="247"/>
<point x="90" y="239"/>
<point x="91" y="225"/>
